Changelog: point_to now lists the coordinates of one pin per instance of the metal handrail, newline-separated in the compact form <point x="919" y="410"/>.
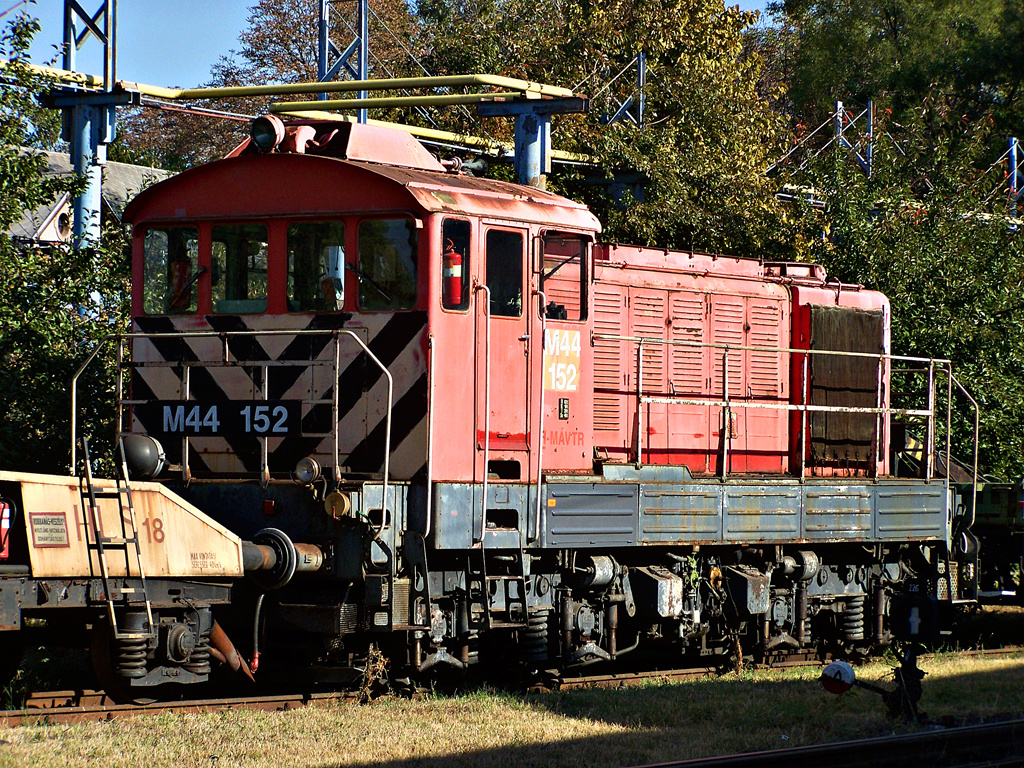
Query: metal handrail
<point x="540" y="426"/>
<point x="74" y="395"/>
<point x="790" y="350"/>
<point x="727" y="403"/>
<point x="223" y="335"/>
<point x="977" y="430"/>
<point x="778" y="406"/>
<point x="487" y="408"/>
<point x="431" y="353"/>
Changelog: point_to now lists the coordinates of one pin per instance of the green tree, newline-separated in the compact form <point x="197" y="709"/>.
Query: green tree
<point x="929" y="61"/>
<point x="709" y="133"/>
<point x="950" y="263"/>
<point x="55" y="302"/>
<point x="945" y="76"/>
<point x="278" y="45"/>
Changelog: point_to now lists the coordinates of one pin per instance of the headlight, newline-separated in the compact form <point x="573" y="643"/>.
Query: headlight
<point x="307" y="471"/>
<point x="144" y="456"/>
<point x="267" y="132"/>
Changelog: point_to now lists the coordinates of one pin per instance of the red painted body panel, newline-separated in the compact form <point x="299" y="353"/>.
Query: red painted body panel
<point x="684" y="298"/>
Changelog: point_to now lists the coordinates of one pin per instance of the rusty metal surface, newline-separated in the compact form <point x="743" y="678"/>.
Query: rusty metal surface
<point x="220" y="641"/>
<point x="89" y="706"/>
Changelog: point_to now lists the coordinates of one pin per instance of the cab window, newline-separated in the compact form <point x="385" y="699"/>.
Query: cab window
<point x="505" y="272"/>
<point x="386" y="268"/>
<point x="563" y="278"/>
<point x="170" y="270"/>
<point x="239" y="268"/>
<point x="455" y="264"/>
<point x="316" y="266"/>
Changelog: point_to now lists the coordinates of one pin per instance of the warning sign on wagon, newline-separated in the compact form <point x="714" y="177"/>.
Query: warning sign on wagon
<point x="562" y="360"/>
<point x="49" y="529"/>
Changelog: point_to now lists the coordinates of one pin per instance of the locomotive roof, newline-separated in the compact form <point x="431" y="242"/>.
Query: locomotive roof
<point x="457" y="193"/>
<point x="293" y="183"/>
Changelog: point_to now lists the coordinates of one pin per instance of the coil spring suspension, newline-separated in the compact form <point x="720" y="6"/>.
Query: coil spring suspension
<point x="199" y="660"/>
<point x="131" y="658"/>
<point x="535" y="640"/>
<point x="853" y="618"/>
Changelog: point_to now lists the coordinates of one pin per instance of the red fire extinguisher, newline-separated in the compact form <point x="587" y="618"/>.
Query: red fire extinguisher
<point x="5" y="529"/>
<point x="451" y="272"/>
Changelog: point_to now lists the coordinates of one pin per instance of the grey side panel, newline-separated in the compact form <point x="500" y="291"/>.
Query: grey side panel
<point x="842" y="512"/>
<point x="591" y="515"/>
<point x="907" y="512"/>
<point x="398" y="499"/>
<point x="761" y="513"/>
<point x="457" y="509"/>
<point x="690" y="513"/>
<point x="595" y="514"/>
<point x="454" y="515"/>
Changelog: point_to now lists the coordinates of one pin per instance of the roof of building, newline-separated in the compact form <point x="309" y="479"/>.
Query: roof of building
<point x="121" y="182"/>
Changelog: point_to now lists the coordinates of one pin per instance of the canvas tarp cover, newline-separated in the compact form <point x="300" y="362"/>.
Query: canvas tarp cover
<point x="844" y="439"/>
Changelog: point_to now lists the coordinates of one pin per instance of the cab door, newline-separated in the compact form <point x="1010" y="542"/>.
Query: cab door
<point x="502" y="346"/>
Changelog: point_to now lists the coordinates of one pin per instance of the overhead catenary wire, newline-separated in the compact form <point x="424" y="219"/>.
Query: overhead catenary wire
<point x="192" y="110"/>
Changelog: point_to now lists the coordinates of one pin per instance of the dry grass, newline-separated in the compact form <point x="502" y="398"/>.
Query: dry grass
<point x="586" y="728"/>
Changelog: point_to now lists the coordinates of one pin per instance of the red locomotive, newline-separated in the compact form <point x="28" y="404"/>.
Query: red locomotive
<point x="430" y="412"/>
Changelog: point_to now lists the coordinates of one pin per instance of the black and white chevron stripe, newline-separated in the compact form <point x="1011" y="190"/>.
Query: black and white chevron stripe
<point x="398" y="340"/>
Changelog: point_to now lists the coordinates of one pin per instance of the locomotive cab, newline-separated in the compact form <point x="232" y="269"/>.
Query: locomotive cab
<point x="392" y="253"/>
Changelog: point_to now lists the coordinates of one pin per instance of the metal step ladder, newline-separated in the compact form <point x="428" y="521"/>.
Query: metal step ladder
<point x="499" y="570"/>
<point x="127" y="542"/>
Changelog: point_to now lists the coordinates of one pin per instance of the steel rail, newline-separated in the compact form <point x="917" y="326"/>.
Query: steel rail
<point x="52" y="707"/>
<point x="990" y="745"/>
<point x="86" y="706"/>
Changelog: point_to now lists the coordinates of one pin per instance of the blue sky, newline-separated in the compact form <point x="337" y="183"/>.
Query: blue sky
<point x="172" y="43"/>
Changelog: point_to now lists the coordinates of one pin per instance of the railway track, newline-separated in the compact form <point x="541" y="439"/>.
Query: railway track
<point x="84" y="706"/>
<point x="51" y="707"/>
<point x="993" y="745"/>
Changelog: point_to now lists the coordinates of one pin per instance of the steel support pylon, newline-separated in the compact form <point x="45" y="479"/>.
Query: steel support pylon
<point x="330" y="61"/>
<point x="89" y="122"/>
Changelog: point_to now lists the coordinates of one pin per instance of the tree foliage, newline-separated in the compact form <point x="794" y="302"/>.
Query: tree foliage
<point x="961" y="56"/>
<point x="708" y="137"/>
<point x="278" y="45"/>
<point x="55" y="302"/>
<point x="709" y="134"/>
<point x="930" y="229"/>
